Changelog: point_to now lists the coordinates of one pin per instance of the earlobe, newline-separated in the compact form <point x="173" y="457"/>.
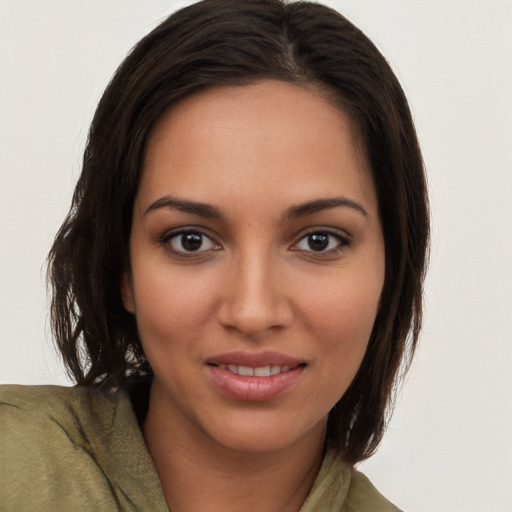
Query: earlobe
<point x="127" y="292"/>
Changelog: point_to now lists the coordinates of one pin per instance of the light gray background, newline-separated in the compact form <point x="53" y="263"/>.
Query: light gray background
<point x="448" y="447"/>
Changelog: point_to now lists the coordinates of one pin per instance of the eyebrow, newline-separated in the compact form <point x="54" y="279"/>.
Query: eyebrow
<point x="327" y="203"/>
<point x="201" y="209"/>
<point x="301" y="210"/>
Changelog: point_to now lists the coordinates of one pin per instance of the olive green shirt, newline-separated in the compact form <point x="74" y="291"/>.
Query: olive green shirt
<point x="81" y="449"/>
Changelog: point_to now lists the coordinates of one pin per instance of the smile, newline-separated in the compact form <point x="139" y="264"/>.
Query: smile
<point x="254" y="377"/>
<point x="261" y="371"/>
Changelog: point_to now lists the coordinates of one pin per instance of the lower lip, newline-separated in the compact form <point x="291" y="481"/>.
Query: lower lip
<point x="253" y="389"/>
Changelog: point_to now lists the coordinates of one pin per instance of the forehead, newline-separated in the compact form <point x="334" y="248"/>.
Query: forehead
<point x="253" y="138"/>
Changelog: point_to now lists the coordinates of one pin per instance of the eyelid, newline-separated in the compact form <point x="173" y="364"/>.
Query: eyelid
<point x="166" y="238"/>
<point x="343" y="238"/>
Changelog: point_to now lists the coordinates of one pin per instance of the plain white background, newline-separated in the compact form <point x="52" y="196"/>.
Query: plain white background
<point x="448" y="447"/>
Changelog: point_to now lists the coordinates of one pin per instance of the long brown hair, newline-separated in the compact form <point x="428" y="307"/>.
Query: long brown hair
<point x="233" y="42"/>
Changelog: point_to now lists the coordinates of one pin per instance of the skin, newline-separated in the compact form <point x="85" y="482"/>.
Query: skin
<point x="254" y="283"/>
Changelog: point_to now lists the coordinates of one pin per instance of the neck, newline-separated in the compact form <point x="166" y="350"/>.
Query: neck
<point x="197" y="474"/>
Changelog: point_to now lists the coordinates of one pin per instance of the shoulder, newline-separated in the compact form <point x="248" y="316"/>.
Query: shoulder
<point x="59" y="445"/>
<point x="363" y="495"/>
<point x="49" y="400"/>
<point x="340" y="488"/>
<point x="58" y="415"/>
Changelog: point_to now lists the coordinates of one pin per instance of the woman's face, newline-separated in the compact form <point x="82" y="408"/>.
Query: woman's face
<point x="257" y="264"/>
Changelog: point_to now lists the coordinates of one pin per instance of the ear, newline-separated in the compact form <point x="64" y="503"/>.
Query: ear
<point x="127" y="294"/>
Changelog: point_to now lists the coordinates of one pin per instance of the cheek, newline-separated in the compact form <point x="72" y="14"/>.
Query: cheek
<point x="344" y="306"/>
<point x="341" y="313"/>
<point x="171" y="305"/>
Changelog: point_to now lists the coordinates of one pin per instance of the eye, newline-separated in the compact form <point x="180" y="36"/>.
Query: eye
<point x="189" y="242"/>
<point x="321" y="242"/>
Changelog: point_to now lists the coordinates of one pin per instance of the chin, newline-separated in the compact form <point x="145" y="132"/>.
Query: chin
<point x="262" y="434"/>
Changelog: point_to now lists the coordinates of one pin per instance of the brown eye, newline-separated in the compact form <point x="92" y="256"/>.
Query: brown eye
<point x="191" y="241"/>
<point x="321" y="241"/>
<point x="318" y="241"/>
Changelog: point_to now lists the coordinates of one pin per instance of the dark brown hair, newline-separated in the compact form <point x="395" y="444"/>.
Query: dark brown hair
<point x="233" y="42"/>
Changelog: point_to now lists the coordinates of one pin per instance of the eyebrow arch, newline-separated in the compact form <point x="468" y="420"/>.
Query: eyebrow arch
<point x="183" y="205"/>
<point x="301" y="210"/>
<point x="318" y="205"/>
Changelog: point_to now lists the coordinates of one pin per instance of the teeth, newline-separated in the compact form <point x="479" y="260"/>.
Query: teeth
<point x="262" y="371"/>
<point x="275" y="370"/>
<point x="245" y="371"/>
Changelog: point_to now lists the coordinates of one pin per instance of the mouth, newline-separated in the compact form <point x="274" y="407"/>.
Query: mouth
<point x="268" y="360"/>
<point x="260" y="371"/>
<point x="254" y="377"/>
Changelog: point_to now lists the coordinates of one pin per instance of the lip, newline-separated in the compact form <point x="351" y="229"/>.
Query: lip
<point x="255" y="359"/>
<point x="253" y="388"/>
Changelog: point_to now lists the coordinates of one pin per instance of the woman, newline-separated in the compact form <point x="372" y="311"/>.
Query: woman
<point x="237" y="279"/>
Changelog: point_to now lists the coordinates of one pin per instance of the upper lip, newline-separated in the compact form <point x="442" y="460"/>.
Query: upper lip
<point x="255" y="359"/>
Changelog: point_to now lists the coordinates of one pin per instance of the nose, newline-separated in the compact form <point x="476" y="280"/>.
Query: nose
<point x="254" y="298"/>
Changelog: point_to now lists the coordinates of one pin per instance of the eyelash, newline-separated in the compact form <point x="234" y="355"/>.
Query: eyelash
<point x="167" y="240"/>
<point x="341" y="241"/>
